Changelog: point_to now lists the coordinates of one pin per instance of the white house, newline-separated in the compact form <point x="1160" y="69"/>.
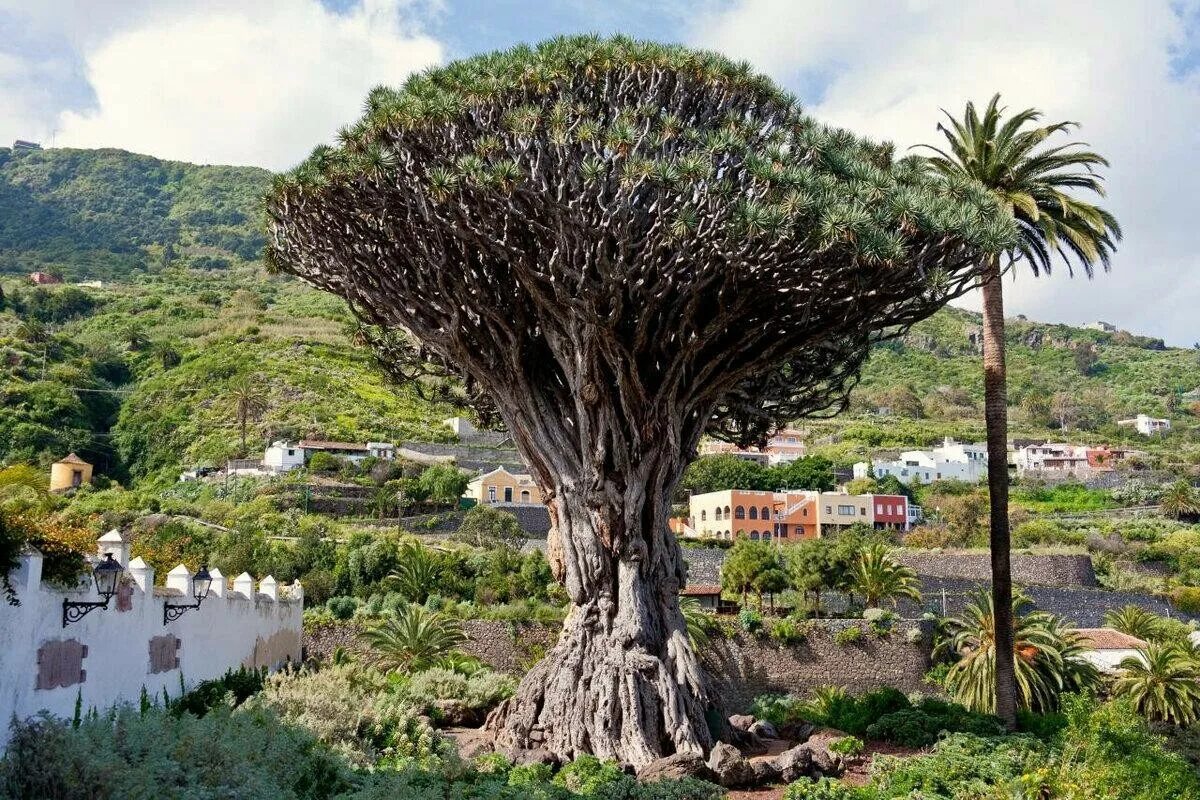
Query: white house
<point x="1106" y="648"/>
<point x="283" y="457"/>
<point x="1146" y="425"/>
<point x="949" y="461"/>
<point x="461" y="426"/>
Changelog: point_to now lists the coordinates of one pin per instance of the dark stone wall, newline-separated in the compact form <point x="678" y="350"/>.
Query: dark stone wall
<point x="1059" y="569"/>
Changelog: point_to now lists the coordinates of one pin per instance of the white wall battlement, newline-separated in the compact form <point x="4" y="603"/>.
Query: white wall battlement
<point x="109" y="655"/>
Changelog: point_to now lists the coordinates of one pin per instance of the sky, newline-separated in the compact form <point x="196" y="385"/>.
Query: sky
<point x="262" y="82"/>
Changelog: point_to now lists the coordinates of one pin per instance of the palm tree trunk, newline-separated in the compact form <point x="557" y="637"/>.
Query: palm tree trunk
<point x="995" y="412"/>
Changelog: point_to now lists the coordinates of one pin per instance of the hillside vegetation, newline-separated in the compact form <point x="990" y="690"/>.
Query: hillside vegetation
<point x="139" y="376"/>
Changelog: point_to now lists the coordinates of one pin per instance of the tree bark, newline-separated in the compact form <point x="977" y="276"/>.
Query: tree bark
<point x="623" y="682"/>
<point x="995" y="409"/>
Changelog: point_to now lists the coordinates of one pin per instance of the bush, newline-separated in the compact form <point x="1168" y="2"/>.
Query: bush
<point x="482" y="690"/>
<point x="237" y="686"/>
<point x="324" y="462"/>
<point x="1187" y="599"/>
<point x="789" y="630"/>
<point x="847" y="746"/>
<point x="825" y="789"/>
<point x="921" y="726"/>
<point x="750" y="620"/>
<point x="343" y="607"/>
<point x="848" y="636"/>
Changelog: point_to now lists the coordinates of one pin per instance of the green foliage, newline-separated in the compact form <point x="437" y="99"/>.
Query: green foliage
<point x="923" y="724"/>
<point x="849" y="635"/>
<point x="824" y="789"/>
<point x="1161" y="682"/>
<point x="485" y="526"/>
<point x="1047" y="655"/>
<point x="878" y="577"/>
<point x="717" y="473"/>
<point x="847" y="746"/>
<point x="414" y="639"/>
<point x="480" y="691"/>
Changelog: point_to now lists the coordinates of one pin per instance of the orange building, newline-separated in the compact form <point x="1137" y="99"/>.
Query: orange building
<point x="738" y="514"/>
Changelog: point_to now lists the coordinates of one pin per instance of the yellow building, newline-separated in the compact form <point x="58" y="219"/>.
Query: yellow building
<point x="502" y="486"/>
<point x="837" y="510"/>
<point x="70" y="473"/>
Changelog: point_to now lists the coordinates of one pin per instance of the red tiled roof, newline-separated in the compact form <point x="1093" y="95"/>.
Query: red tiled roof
<point x="72" y="459"/>
<point x="700" y="590"/>
<point x="317" y="444"/>
<point x="1108" y="639"/>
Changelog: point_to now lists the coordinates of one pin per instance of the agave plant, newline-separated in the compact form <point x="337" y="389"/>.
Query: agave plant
<point x="1047" y="653"/>
<point x="1135" y="621"/>
<point x="1162" y="680"/>
<point x="414" y="639"/>
<point x="877" y="576"/>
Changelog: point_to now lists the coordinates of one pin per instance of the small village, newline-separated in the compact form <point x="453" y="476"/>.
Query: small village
<point x="436" y="402"/>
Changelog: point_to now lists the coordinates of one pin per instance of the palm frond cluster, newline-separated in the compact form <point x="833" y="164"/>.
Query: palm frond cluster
<point x="1048" y="654"/>
<point x="679" y="205"/>
<point x="1163" y="678"/>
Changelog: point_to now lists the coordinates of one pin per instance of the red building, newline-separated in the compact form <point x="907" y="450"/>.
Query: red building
<point x="890" y="511"/>
<point x="43" y="278"/>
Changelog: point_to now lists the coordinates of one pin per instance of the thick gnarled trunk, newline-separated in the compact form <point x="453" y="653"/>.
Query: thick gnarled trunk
<point x="623" y="682"/>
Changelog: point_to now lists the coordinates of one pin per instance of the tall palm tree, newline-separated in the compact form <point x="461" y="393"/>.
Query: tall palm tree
<point x="248" y="400"/>
<point x="878" y="577"/>
<point x="1163" y="682"/>
<point x="1037" y="185"/>
<point x="416" y="574"/>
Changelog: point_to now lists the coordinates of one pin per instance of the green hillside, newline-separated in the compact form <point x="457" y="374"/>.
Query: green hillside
<point x="138" y="376"/>
<point x="101" y="214"/>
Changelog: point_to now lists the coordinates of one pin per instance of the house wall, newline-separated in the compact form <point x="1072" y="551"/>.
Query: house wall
<point x="835" y="510"/>
<point x="127" y="644"/>
<point x="62" y="475"/>
<point x="524" y="490"/>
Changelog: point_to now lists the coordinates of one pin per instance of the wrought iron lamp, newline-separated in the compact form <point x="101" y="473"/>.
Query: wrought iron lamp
<point x="201" y="582"/>
<point x="106" y="574"/>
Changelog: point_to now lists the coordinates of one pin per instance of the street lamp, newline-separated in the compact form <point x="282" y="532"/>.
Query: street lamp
<point x="106" y="575"/>
<point x="201" y="582"/>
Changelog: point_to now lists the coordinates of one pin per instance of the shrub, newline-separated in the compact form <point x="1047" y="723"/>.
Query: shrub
<point x="847" y="746"/>
<point x="879" y="620"/>
<point x="921" y="726"/>
<point x="482" y="690"/>
<point x="960" y="766"/>
<point x="1187" y="599"/>
<point x="778" y="709"/>
<point x="825" y="789"/>
<point x="236" y="686"/>
<point x="789" y="630"/>
<point x="848" y="636"/>
<point x="343" y="607"/>
<point x="586" y="775"/>
<point x="324" y="462"/>
<point x="750" y="620"/>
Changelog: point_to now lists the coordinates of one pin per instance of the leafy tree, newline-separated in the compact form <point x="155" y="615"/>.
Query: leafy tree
<point x="877" y="576"/>
<point x="384" y="501"/>
<point x="723" y="472"/>
<point x="443" y="483"/>
<point x="743" y="570"/>
<point x="484" y="526"/>
<point x="1046" y="653"/>
<point x="1036" y="184"/>
<point x="414" y="639"/>
<point x="1163" y="682"/>
<point x="613" y="152"/>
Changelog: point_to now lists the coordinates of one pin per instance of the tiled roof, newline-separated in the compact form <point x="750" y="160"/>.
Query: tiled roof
<point x="316" y="444"/>
<point x="700" y="590"/>
<point x="72" y="459"/>
<point x="1108" y="639"/>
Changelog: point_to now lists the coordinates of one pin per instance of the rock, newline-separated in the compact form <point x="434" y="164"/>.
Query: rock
<point x="764" y="730"/>
<point x="454" y="713"/>
<point x="472" y="742"/>
<point x="741" y="722"/>
<point x="679" y="765"/>
<point x="794" y="764"/>
<point x="823" y="736"/>
<point x="730" y="766"/>
<point x="765" y="772"/>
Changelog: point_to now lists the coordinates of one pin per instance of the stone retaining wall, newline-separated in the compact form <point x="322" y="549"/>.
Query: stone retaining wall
<point x="1056" y="569"/>
<point x="742" y="667"/>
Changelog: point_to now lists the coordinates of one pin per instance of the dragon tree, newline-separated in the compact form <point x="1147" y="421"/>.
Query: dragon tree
<point x="620" y="246"/>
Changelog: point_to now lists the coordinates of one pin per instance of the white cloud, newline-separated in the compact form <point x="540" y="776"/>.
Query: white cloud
<point x="237" y="83"/>
<point x="887" y="69"/>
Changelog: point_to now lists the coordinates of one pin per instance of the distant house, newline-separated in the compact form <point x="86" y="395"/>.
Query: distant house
<point x="461" y="426"/>
<point x="752" y="514"/>
<point x="1106" y="648"/>
<point x="949" y="461"/>
<point x="709" y="597"/>
<point x="1146" y="425"/>
<point x="283" y="456"/>
<point x="69" y="473"/>
<point x="21" y="144"/>
<point x="1101" y="325"/>
<point x="502" y="486"/>
<point x="786" y="445"/>
<point x="44" y="278"/>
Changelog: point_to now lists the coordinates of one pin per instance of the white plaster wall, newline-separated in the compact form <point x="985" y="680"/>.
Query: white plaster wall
<point x="223" y="633"/>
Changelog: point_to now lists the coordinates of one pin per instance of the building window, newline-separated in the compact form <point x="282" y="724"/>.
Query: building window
<point x="739" y="513"/>
<point x="726" y="512"/>
<point x="783" y="531"/>
<point x="828" y="509"/>
<point x="491" y="494"/>
<point x="717" y="515"/>
<point x="846" y="511"/>
<point x="754" y="535"/>
<point x="76" y="477"/>
<point x="766" y="513"/>
<point x="753" y="512"/>
<point x="703" y="515"/>
<point x="862" y="512"/>
<point x="508" y="494"/>
<point x="291" y="452"/>
<point x="766" y="536"/>
<point x="524" y="495"/>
